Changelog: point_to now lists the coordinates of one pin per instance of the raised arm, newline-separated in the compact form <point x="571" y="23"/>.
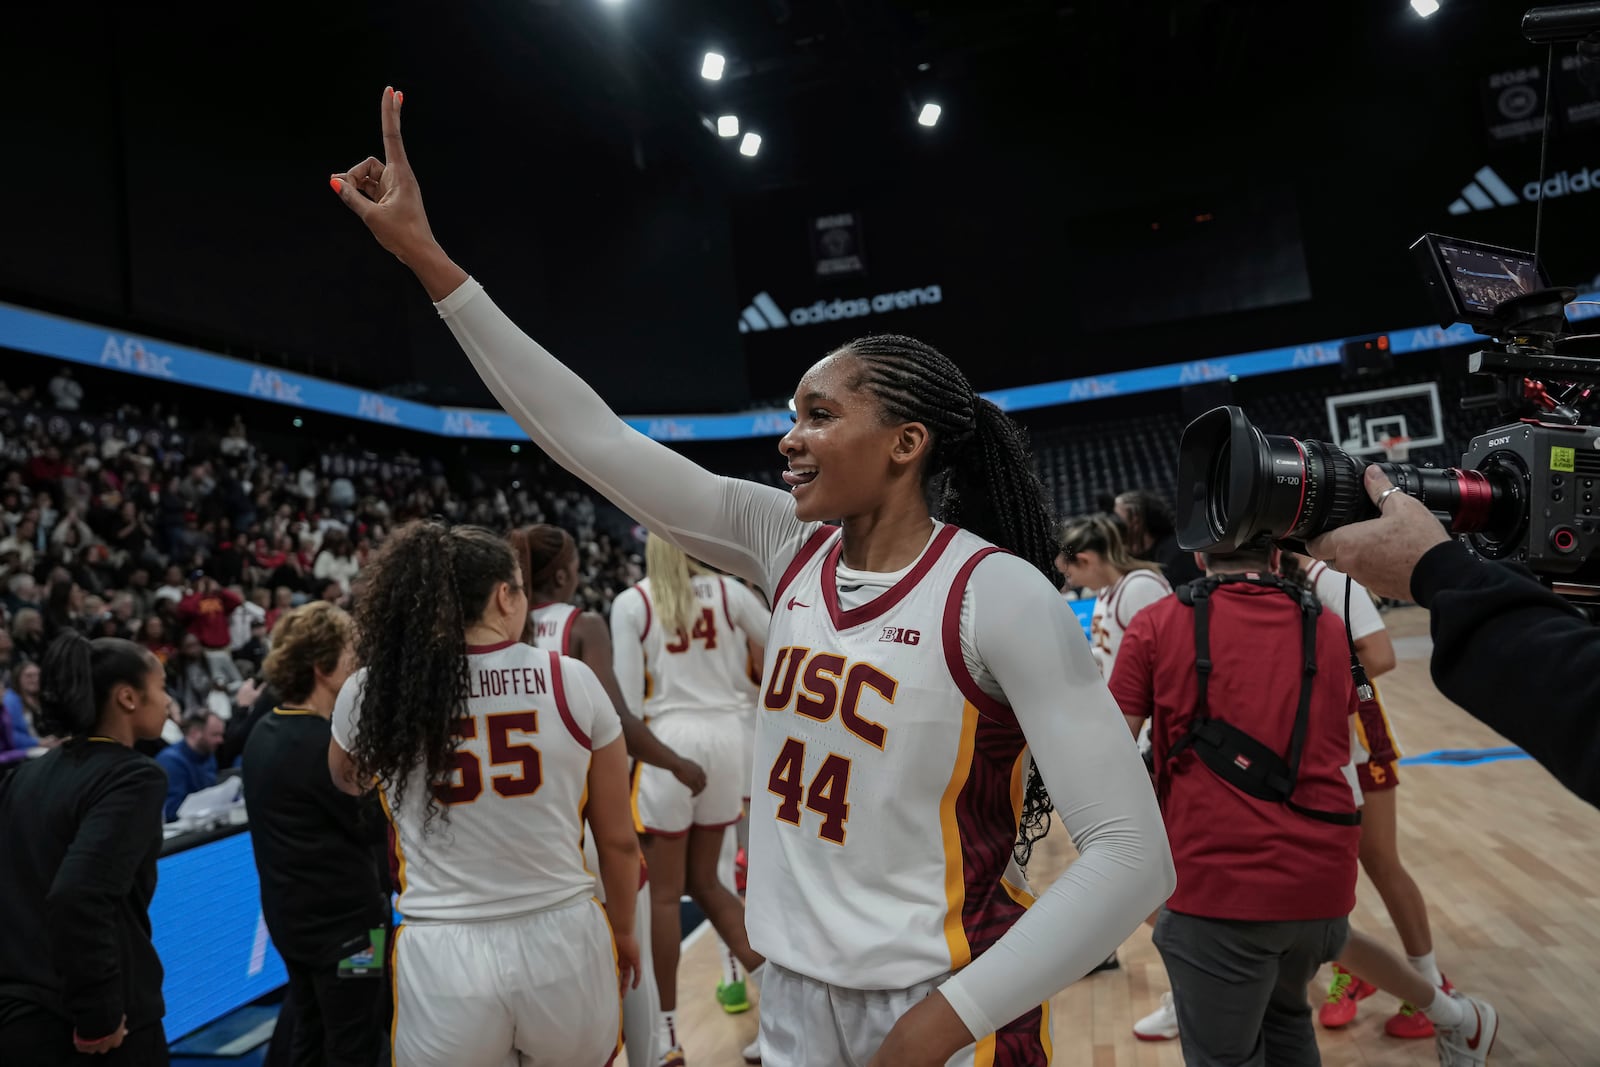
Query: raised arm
<point x="735" y="525"/>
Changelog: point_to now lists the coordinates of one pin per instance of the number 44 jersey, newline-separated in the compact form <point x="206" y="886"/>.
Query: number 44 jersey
<point x="504" y="839"/>
<point x="888" y="785"/>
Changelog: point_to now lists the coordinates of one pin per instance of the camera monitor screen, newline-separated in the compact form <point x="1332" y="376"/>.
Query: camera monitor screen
<point x="1470" y="279"/>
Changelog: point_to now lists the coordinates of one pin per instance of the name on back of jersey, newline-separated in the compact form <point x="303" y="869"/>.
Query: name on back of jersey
<point x="507" y="681"/>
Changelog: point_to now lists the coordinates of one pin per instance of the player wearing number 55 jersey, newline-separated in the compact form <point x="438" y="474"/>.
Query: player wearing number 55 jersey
<point x="891" y="440"/>
<point x="488" y="755"/>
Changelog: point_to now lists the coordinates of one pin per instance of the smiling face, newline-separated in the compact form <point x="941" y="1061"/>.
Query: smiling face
<point x="842" y="454"/>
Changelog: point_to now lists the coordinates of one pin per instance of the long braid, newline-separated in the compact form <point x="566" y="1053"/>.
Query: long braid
<point x="980" y="477"/>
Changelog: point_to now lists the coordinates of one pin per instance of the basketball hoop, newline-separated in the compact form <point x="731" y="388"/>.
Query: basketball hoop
<point x="1396" y="449"/>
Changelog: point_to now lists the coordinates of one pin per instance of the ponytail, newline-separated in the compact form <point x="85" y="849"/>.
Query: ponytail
<point x="426" y="585"/>
<point x="77" y="676"/>
<point x="979" y="476"/>
<point x="1103" y="534"/>
<point x="670" y="572"/>
<point x="993" y="491"/>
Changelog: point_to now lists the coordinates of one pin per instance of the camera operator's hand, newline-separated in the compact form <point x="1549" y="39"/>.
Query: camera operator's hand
<point x="1381" y="553"/>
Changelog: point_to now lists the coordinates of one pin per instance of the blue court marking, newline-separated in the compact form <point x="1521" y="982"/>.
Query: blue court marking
<point x="1465" y="757"/>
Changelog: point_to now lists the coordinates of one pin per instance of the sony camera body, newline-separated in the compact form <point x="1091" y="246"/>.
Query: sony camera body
<point x="1526" y="491"/>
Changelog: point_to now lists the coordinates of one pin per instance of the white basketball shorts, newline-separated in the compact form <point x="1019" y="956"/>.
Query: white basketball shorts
<point x="714" y="739"/>
<point x="537" y="990"/>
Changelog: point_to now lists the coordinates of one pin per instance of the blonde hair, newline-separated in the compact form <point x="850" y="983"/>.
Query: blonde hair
<point x="670" y="570"/>
<point x="1103" y="534"/>
<point x="311" y="636"/>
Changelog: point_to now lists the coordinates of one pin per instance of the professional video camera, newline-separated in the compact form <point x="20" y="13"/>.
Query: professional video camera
<point x="1527" y="491"/>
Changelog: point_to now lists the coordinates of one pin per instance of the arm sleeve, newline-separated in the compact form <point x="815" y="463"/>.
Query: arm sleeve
<point x="747" y="610"/>
<point x="83" y="903"/>
<point x="590" y="705"/>
<point x="1517" y="657"/>
<point x="1031" y="643"/>
<point x="346" y="721"/>
<point x="1364" y="618"/>
<point x="627" y="647"/>
<point x="735" y="525"/>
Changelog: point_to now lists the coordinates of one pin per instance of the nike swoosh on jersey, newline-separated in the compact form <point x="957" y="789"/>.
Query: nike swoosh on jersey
<point x="793" y="603"/>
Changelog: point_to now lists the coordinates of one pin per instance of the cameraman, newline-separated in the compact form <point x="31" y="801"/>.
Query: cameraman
<point x="1485" y="617"/>
<point x="1264" y="887"/>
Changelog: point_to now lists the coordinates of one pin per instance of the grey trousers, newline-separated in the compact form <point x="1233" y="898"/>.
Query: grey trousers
<point x="1240" y="987"/>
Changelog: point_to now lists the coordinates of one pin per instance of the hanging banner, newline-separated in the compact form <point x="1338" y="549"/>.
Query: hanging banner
<point x="837" y="248"/>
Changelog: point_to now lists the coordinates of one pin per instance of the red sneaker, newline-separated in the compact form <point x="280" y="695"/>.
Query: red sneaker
<point x="1340" y="1007"/>
<point x="1411" y="1023"/>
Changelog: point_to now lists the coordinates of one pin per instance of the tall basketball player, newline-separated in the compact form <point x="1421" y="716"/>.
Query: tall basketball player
<point x="549" y="556"/>
<point x="680" y="645"/>
<point x="909" y="662"/>
<point x="488" y="755"/>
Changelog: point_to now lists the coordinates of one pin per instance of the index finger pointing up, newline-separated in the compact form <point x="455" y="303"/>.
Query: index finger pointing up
<point x="394" y="149"/>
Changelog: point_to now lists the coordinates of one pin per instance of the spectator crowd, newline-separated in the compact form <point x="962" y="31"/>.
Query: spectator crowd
<point x="134" y="523"/>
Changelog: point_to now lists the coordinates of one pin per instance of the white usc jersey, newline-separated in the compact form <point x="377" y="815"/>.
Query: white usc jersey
<point x="1115" y="608"/>
<point x="887" y="787"/>
<point x="702" y="669"/>
<point x="552" y="626"/>
<point x="515" y="797"/>
<point x="1329" y="585"/>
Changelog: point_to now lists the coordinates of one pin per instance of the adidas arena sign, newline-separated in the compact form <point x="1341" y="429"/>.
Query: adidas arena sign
<point x="765" y="314"/>
<point x="1488" y="190"/>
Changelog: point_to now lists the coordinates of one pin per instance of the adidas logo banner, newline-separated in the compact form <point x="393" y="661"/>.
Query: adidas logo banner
<point x="764" y="313"/>
<point x="1488" y="190"/>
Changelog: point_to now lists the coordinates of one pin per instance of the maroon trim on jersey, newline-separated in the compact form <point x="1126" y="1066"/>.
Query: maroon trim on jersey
<point x="1020" y="1043"/>
<point x="722" y="586"/>
<point x="560" y="690"/>
<point x="479" y="650"/>
<point x="878" y="605"/>
<point x="987" y="705"/>
<point x="647" y="615"/>
<point x="566" y="633"/>
<point x="716" y="825"/>
<point x="1114" y="599"/>
<point x="801" y="558"/>
<point x="986" y="826"/>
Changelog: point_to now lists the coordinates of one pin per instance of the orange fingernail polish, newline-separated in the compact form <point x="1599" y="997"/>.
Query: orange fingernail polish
<point x="338" y="186"/>
<point x="399" y="98"/>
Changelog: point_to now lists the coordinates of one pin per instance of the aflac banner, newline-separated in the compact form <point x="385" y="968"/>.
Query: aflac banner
<point x="78" y="342"/>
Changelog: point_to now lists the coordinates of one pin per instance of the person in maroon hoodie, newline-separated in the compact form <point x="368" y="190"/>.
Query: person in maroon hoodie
<point x="205" y="614"/>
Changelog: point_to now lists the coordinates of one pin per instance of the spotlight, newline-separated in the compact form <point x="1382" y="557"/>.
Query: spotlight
<point x="930" y="114"/>
<point x="1425" y="7"/>
<point x="711" y="66"/>
<point x="728" y="126"/>
<point x="515" y="449"/>
<point x="298" y="423"/>
<point x="750" y="145"/>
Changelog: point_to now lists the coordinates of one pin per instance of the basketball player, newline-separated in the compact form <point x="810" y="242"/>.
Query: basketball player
<point x="550" y="556"/>
<point x="488" y="755"/>
<point x="1376" y="758"/>
<point x="1094" y="555"/>
<point x="679" y="641"/>
<point x="909" y="662"/>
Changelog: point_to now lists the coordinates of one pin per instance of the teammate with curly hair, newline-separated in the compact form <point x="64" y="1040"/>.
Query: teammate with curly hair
<point x="488" y="755"/>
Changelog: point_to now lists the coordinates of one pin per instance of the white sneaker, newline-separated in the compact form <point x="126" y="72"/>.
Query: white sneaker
<point x="1468" y="1045"/>
<point x="1159" y="1025"/>
<point x="752" y="1051"/>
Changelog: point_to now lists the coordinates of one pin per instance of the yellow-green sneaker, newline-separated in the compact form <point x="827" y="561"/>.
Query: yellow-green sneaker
<point x="732" y="997"/>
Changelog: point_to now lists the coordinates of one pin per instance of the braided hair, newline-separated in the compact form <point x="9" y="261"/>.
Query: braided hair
<point x="979" y="476"/>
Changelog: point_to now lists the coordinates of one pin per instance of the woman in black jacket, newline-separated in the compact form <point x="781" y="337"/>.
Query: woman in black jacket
<point x="82" y="827"/>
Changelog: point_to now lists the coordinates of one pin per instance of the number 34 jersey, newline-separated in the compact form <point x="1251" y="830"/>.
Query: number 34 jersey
<point x="505" y="840"/>
<point x="888" y="785"/>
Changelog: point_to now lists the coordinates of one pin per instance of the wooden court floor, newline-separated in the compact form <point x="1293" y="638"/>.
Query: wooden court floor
<point x="1508" y="860"/>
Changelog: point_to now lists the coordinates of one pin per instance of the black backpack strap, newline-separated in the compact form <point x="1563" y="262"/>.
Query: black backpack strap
<point x="1197" y="595"/>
